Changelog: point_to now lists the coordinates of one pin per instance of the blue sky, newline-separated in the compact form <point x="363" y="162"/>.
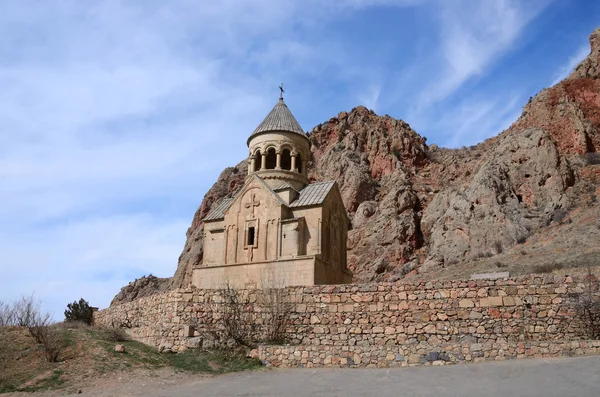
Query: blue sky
<point x="117" y="116"/>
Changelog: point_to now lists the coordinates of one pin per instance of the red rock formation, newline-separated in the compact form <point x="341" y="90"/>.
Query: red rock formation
<point x="570" y="110"/>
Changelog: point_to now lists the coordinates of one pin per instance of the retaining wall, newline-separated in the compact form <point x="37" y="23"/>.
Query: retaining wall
<point x="386" y="324"/>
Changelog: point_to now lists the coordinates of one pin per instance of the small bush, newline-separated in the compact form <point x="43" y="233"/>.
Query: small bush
<point x="587" y="307"/>
<point x="484" y="254"/>
<point x="547" y="267"/>
<point x="498" y="247"/>
<point x="559" y="215"/>
<point x="6" y="314"/>
<point x="25" y="310"/>
<point x="115" y="335"/>
<point x="79" y="311"/>
<point x="236" y="322"/>
<point x="275" y="302"/>
<point x="50" y="338"/>
<point x="592" y="158"/>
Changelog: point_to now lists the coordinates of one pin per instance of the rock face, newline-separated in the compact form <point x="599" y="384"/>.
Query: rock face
<point x="570" y="110"/>
<point x="415" y="209"/>
<point x="229" y="182"/>
<point x="514" y="193"/>
<point x="374" y="160"/>
<point x="140" y="288"/>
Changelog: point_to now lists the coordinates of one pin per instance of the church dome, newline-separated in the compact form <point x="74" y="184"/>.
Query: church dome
<point x="279" y="148"/>
<point x="279" y="119"/>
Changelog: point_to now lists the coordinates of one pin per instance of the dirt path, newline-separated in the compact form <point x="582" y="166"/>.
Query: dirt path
<point x="127" y="384"/>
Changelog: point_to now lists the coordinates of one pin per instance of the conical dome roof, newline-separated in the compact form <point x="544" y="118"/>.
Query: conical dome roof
<point x="279" y="119"/>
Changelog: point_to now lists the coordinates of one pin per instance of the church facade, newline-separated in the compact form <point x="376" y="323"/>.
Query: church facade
<point x="279" y="229"/>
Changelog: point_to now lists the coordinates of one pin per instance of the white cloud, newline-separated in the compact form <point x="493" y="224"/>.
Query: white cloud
<point x="473" y="34"/>
<point x="370" y="97"/>
<point x="475" y="120"/>
<point x="88" y="257"/>
<point x="565" y="70"/>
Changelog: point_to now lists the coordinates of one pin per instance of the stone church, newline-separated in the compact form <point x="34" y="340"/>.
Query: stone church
<point x="280" y="229"/>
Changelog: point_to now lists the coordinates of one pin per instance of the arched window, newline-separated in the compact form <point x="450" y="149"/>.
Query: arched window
<point x="257" y="160"/>
<point x="271" y="159"/>
<point x="286" y="160"/>
<point x="299" y="164"/>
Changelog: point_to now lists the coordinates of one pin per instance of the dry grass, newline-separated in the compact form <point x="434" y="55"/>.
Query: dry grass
<point x="548" y="267"/>
<point x="89" y="355"/>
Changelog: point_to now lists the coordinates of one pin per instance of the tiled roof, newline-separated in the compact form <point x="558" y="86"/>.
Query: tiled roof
<point x="313" y="194"/>
<point x="284" y="185"/>
<point x="218" y="211"/>
<point x="280" y="119"/>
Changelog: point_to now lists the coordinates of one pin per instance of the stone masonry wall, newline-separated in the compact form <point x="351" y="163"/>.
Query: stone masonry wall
<point x="386" y="324"/>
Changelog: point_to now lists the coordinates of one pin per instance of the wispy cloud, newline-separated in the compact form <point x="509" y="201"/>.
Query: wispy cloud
<point x="370" y="97"/>
<point x="565" y="70"/>
<point x="472" y="35"/>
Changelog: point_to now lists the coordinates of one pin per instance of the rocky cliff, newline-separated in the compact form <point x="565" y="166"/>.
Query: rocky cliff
<point x="418" y="210"/>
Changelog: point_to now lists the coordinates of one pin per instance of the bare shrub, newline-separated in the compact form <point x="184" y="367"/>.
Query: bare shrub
<point x="547" y="267"/>
<point x="276" y="306"/>
<point x="587" y="307"/>
<point x="241" y="317"/>
<point x="25" y="311"/>
<point x="6" y="314"/>
<point x="234" y="317"/>
<point x="49" y="337"/>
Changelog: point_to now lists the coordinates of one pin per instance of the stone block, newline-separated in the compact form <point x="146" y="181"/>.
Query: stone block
<point x="560" y="290"/>
<point x="492" y="301"/>
<point x="464" y="303"/>
<point x="414" y="358"/>
<point x="490" y="276"/>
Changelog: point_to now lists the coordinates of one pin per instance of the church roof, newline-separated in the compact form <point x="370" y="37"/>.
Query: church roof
<point x="218" y="211"/>
<point x="279" y="119"/>
<point x="313" y="194"/>
<point x="284" y="185"/>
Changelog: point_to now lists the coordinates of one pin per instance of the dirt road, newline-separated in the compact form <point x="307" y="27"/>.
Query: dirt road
<point x="560" y="377"/>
